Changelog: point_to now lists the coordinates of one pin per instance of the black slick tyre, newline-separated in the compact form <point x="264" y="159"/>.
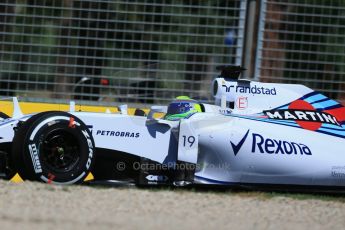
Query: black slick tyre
<point x="53" y="147"/>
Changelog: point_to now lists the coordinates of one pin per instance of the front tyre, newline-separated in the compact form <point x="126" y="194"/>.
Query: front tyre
<point x="54" y="147"/>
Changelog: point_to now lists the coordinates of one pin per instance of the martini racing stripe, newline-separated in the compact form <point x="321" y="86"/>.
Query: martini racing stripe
<point x="333" y="127"/>
<point x="339" y="113"/>
<point x="283" y="106"/>
<point x="340" y="132"/>
<point x="332" y="133"/>
<point x="313" y="95"/>
<point x="319" y="101"/>
<point x="301" y="115"/>
<point x="324" y="104"/>
<point x="285" y="123"/>
<point x="315" y="98"/>
<point x="279" y="122"/>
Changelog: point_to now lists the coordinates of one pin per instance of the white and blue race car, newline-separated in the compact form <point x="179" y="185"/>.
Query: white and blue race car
<point x="256" y="134"/>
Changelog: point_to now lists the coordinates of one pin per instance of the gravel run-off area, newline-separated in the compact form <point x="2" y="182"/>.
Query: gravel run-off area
<point x="31" y="205"/>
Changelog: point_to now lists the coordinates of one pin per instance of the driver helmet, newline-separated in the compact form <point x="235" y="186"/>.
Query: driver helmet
<point x="182" y="107"/>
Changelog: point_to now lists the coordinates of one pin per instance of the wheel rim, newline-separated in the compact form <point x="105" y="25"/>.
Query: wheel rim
<point x="59" y="151"/>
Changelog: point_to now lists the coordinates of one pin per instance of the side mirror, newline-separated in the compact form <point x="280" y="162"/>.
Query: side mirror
<point x="156" y="109"/>
<point x="123" y="109"/>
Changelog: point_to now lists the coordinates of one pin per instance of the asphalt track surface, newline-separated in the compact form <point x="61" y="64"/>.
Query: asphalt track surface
<point x="32" y="205"/>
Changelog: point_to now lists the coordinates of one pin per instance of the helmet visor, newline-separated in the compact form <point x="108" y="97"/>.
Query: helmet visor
<point x="180" y="107"/>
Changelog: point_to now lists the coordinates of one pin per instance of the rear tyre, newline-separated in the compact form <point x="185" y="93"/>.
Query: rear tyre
<point x="53" y="147"/>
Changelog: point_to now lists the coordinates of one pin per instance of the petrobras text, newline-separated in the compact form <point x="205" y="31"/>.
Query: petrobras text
<point x="117" y="133"/>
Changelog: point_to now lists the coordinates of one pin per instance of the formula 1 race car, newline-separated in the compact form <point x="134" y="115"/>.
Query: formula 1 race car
<point x="256" y="134"/>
